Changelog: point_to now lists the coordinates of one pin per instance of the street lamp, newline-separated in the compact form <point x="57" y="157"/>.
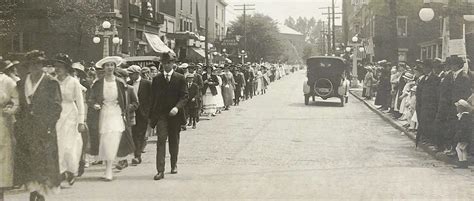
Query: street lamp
<point x="355" y="39"/>
<point x="116" y="40"/>
<point x="356" y="46"/>
<point x="106" y="24"/>
<point x="107" y="32"/>
<point x="96" y="40"/>
<point x="243" y="55"/>
<point x="426" y="14"/>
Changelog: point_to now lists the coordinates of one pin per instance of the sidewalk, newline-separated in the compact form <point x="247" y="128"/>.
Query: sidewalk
<point x="429" y="148"/>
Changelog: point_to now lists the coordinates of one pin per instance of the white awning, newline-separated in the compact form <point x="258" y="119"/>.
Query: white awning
<point x="156" y="44"/>
<point x="199" y="51"/>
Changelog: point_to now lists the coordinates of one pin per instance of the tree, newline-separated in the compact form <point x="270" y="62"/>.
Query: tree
<point x="262" y="37"/>
<point x="7" y="18"/>
<point x="76" y="21"/>
<point x="290" y="22"/>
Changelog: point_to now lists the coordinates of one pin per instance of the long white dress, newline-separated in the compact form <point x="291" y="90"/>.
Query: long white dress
<point x="7" y="93"/>
<point x="111" y="123"/>
<point x="73" y="113"/>
<point x="219" y="99"/>
<point x="259" y="81"/>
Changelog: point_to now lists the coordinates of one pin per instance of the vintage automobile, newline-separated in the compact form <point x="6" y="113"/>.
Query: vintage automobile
<point x="143" y="60"/>
<point x="326" y="78"/>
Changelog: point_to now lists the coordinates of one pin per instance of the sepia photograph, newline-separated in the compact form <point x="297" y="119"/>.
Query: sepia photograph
<point x="137" y="100"/>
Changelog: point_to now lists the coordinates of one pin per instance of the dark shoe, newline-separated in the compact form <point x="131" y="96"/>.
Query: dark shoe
<point x="189" y="124"/>
<point x="136" y="161"/>
<point x="174" y="170"/>
<point x="122" y="165"/>
<point x="80" y="171"/>
<point x="159" y="176"/>
<point x="97" y="163"/>
<point x="194" y="126"/>
<point x="71" y="179"/>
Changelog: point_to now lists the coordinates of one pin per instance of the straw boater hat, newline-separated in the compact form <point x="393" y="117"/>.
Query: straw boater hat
<point x="114" y="59"/>
<point x="80" y="69"/>
<point x="184" y="65"/>
<point x="4" y="65"/>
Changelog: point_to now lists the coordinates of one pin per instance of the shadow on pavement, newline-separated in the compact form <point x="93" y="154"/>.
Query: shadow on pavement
<point x="320" y="102"/>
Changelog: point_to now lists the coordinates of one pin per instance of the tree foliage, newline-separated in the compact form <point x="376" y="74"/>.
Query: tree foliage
<point x="262" y="36"/>
<point x="7" y="18"/>
<point x="76" y="20"/>
<point x="310" y="28"/>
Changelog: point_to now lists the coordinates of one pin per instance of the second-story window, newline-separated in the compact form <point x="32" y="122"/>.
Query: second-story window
<point x="181" y="4"/>
<point x="402" y="30"/>
<point x="191" y="6"/>
<point x="217" y="13"/>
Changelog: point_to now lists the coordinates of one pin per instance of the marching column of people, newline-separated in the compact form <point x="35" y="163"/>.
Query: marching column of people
<point x="434" y="97"/>
<point x="65" y="117"/>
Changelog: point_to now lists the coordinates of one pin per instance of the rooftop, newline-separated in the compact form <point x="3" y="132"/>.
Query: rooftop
<point x="287" y="30"/>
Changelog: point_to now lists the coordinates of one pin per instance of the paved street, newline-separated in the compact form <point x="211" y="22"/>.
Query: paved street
<point x="275" y="147"/>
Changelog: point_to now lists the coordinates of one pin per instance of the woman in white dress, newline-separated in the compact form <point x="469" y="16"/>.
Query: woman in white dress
<point x="259" y="81"/>
<point x="8" y="105"/>
<point x="218" y="97"/>
<point x="71" y="122"/>
<point x="108" y="98"/>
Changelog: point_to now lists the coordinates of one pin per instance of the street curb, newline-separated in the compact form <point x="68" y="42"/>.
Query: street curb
<point x="437" y="155"/>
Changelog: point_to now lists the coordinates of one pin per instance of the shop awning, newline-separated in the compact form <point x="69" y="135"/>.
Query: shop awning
<point x="199" y="52"/>
<point x="156" y="44"/>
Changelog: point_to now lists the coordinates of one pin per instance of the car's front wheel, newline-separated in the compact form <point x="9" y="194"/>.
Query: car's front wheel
<point x="306" y="99"/>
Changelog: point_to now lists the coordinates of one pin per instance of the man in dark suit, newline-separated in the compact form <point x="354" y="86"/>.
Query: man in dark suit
<point x="142" y="89"/>
<point x="169" y="96"/>
<point x="249" y="78"/>
<point x="427" y="102"/>
<point x="462" y="81"/>
<point x="446" y="115"/>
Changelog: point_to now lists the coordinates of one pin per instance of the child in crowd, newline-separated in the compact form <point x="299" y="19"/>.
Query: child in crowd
<point x="463" y="132"/>
<point x="192" y="104"/>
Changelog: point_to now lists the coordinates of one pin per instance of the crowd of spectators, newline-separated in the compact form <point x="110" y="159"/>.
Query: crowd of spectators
<point x="433" y="97"/>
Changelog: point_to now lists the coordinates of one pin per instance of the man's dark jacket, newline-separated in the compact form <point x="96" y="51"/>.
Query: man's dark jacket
<point x="167" y="95"/>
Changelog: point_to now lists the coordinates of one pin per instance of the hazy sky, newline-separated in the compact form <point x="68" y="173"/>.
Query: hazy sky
<point x="282" y="9"/>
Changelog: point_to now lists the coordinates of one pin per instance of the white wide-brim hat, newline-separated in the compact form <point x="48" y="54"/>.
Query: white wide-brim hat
<point x="114" y="59"/>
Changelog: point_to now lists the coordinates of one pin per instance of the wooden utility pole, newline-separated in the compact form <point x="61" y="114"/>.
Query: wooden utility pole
<point x="333" y="27"/>
<point x="331" y="34"/>
<point x="125" y="25"/>
<point x="245" y="8"/>
<point x="206" y="45"/>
